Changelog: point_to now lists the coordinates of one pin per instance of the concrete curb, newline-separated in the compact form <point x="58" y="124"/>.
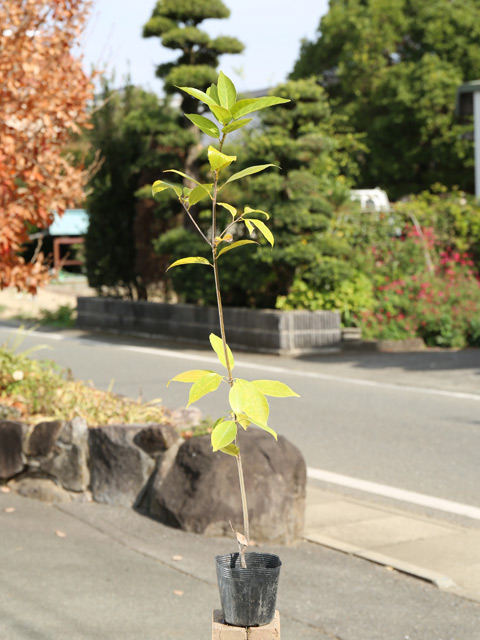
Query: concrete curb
<point x="438" y="579"/>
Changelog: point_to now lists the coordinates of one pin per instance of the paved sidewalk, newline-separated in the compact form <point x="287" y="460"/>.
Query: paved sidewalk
<point x="448" y="556"/>
<point x="88" y="571"/>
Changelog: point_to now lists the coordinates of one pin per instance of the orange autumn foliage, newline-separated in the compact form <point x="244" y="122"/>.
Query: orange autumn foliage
<point x="43" y="102"/>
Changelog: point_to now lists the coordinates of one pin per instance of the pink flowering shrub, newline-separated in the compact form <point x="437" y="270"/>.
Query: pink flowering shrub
<point x="438" y="298"/>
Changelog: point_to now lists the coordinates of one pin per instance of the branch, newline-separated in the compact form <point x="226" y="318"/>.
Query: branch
<point x="196" y="225"/>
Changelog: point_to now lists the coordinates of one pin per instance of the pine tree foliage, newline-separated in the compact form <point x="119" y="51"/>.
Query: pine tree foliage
<point x="176" y="22"/>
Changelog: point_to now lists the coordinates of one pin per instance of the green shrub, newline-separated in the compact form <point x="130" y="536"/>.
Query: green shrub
<point x="350" y="297"/>
<point x="473" y="333"/>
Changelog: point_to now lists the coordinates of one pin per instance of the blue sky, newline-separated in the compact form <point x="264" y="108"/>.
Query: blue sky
<point x="270" y="29"/>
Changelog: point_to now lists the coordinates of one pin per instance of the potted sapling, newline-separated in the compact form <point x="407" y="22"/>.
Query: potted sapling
<point x="247" y="580"/>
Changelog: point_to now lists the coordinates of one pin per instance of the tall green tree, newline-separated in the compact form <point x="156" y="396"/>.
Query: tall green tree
<point x="393" y="67"/>
<point x="176" y="24"/>
<point x="132" y="135"/>
<point x="314" y="148"/>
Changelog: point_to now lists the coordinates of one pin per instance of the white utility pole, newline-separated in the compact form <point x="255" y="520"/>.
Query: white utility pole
<point x="476" y="137"/>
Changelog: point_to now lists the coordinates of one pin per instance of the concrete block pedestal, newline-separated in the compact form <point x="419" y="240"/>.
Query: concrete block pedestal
<point x="221" y="631"/>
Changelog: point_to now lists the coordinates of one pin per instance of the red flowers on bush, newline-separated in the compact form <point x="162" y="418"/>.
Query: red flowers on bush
<point x="440" y="305"/>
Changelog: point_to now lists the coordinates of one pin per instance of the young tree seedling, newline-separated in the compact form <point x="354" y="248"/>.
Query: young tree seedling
<point x="248" y="400"/>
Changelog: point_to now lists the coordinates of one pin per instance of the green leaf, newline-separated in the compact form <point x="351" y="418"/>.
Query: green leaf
<point x="264" y="230"/>
<point x="248" y="172"/>
<point x="222" y="114"/>
<point x="217" y="346"/>
<point x="233" y="126"/>
<point x="218" y="422"/>
<point x="249" y="225"/>
<point x="223" y="434"/>
<point x="184" y="175"/>
<point x="248" y="210"/>
<point x="229" y="208"/>
<point x="159" y="186"/>
<point x="243" y="421"/>
<point x="195" y="260"/>
<point x="255" y="104"/>
<point x="212" y="92"/>
<point x="245" y="398"/>
<point x="239" y="243"/>
<point x="192" y="375"/>
<point x="208" y="383"/>
<point x="198" y="194"/>
<point x="226" y="91"/>
<point x="219" y="160"/>
<point x="274" y="388"/>
<point x="265" y="427"/>
<point x="200" y="95"/>
<point x="231" y="449"/>
<point x="204" y="124"/>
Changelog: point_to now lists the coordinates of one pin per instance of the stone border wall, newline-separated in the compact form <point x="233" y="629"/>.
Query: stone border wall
<point x="151" y="468"/>
<point x="267" y="330"/>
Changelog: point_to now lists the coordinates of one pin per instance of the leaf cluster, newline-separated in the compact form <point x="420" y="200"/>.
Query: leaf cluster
<point x="222" y="101"/>
<point x="248" y="400"/>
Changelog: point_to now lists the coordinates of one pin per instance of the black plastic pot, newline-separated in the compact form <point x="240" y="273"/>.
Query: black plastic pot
<point x="248" y="596"/>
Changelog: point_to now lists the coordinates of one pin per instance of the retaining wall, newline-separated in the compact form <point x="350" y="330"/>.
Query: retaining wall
<point x="252" y="329"/>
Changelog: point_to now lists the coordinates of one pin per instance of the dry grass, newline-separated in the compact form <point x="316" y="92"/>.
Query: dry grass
<point x="38" y="390"/>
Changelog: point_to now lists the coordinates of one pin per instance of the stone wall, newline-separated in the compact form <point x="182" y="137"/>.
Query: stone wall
<point x="267" y="330"/>
<point x="151" y="468"/>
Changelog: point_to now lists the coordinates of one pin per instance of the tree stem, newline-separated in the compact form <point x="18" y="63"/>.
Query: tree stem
<point x="241" y="478"/>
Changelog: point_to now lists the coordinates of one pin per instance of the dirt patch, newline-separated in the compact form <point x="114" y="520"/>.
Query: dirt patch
<point x="14" y="303"/>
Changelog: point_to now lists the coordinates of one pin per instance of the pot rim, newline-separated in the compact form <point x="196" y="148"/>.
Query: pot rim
<point x="224" y="562"/>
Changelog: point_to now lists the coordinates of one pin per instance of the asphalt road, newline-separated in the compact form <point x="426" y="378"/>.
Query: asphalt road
<point x="116" y="575"/>
<point x="408" y="421"/>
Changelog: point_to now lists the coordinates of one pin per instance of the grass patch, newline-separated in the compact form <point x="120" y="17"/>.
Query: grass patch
<point x="39" y="390"/>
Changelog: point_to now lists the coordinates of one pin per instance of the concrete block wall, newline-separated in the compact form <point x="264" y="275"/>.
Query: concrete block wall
<point x="265" y="330"/>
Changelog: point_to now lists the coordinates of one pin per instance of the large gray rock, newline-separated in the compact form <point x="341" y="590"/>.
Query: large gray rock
<point x="163" y="464"/>
<point x="201" y="491"/>
<point x="42" y="440"/>
<point x="69" y="462"/>
<point x="155" y="439"/>
<point x="119" y="468"/>
<point x="12" y="460"/>
<point x="59" y="450"/>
